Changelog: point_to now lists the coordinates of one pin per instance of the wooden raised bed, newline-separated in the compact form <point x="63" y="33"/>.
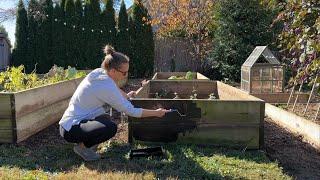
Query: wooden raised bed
<point x="166" y="75"/>
<point x="27" y="112"/>
<point x="235" y="119"/>
<point x="310" y="131"/>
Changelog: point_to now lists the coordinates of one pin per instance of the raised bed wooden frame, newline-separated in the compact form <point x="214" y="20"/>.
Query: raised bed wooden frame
<point x="235" y="119"/>
<point x="166" y="75"/>
<point x="27" y="112"/>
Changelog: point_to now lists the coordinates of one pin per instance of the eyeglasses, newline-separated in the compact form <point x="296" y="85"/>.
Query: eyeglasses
<point x="123" y="73"/>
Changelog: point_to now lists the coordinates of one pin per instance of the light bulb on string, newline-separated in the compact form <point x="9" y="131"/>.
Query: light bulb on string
<point x="92" y="30"/>
<point x="64" y="23"/>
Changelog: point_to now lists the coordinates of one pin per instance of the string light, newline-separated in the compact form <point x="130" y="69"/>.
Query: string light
<point x="83" y="29"/>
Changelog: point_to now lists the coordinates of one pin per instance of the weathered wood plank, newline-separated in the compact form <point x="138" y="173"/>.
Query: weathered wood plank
<point x="5" y="123"/>
<point x="30" y="100"/>
<point x="223" y="136"/>
<point x="202" y="77"/>
<point x="229" y="136"/>
<point x="229" y="112"/>
<point x="227" y="92"/>
<point x="211" y="111"/>
<point x="38" y="120"/>
<point x="5" y="105"/>
<point x="6" y="136"/>
<point x="143" y="91"/>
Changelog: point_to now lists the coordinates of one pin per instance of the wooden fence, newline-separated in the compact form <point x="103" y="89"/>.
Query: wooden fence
<point x="168" y="50"/>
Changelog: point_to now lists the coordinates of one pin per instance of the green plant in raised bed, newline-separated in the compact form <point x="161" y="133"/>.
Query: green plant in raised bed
<point x="15" y="79"/>
<point x="189" y="76"/>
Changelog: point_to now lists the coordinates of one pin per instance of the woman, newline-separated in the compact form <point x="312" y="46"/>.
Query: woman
<point x="82" y="122"/>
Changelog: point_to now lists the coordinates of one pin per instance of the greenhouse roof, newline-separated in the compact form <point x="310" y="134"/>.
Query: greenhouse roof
<point x="257" y="52"/>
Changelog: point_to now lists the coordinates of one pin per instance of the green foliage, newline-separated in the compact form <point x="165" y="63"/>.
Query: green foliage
<point x="44" y="38"/>
<point x="123" y="38"/>
<point x="92" y="25"/>
<point x="33" y="32"/>
<point x="58" y="44"/>
<point x="69" y="35"/>
<point x="19" y="52"/>
<point x="109" y="28"/>
<point x="189" y="76"/>
<point x="241" y="25"/>
<point x="15" y="79"/>
<point x="300" y="41"/>
<point x="142" y="41"/>
<point x="79" y="36"/>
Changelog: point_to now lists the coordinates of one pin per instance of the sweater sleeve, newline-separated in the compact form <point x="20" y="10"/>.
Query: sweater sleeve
<point x="112" y="96"/>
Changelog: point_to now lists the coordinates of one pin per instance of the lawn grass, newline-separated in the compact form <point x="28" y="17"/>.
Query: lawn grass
<point x="179" y="162"/>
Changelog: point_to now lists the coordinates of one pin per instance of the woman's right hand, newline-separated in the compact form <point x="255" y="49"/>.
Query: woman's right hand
<point x="161" y="112"/>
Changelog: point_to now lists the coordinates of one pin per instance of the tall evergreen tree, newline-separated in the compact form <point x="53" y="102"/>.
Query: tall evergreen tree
<point x="58" y="44"/>
<point x="241" y="25"/>
<point x="63" y="5"/>
<point x="70" y="33"/>
<point x="92" y="26"/>
<point x="123" y="41"/>
<point x="21" y="35"/>
<point x="131" y="49"/>
<point x="45" y="37"/>
<point x="108" y="23"/>
<point x="33" y="51"/>
<point x="79" y="35"/>
<point x="143" y="43"/>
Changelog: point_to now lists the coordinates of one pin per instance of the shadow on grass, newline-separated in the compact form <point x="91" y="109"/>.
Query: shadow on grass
<point x="180" y="160"/>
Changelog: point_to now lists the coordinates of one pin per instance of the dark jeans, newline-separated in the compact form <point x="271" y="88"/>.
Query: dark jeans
<point x="90" y="132"/>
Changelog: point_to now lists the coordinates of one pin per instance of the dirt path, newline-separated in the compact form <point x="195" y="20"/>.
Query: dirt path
<point x="298" y="159"/>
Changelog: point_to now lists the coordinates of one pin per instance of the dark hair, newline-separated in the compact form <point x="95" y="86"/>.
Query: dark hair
<point x="113" y="59"/>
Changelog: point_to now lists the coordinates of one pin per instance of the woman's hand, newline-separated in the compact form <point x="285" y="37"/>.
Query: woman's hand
<point x="132" y="94"/>
<point x="161" y="112"/>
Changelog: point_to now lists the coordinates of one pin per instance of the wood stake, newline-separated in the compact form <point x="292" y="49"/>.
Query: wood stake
<point x="311" y="94"/>
<point x="292" y="92"/>
<point x="295" y="102"/>
<point x="315" y="118"/>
